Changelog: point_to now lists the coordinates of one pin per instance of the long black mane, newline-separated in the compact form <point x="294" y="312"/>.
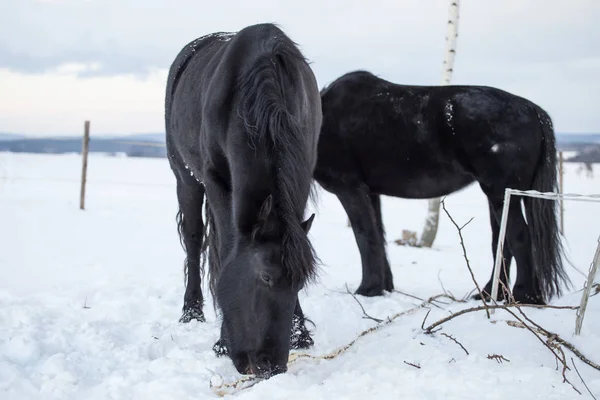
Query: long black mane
<point x="268" y="117"/>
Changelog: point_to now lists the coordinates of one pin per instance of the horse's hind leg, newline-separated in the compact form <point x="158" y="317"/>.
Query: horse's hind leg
<point x="190" y="195"/>
<point x="358" y="206"/>
<point x="388" y="279"/>
<point x="507" y="255"/>
<point x="526" y="288"/>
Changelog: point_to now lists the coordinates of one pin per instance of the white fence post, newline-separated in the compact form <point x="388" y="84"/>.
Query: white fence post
<point x="587" y="289"/>
<point x="500" y="246"/>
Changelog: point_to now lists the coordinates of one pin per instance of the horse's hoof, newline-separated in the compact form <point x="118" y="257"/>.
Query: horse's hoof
<point x="301" y="342"/>
<point x="190" y="313"/>
<point x="487" y="298"/>
<point x="389" y="285"/>
<point x="300" y="337"/>
<point x="369" y="291"/>
<point x="526" y="297"/>
<point x="220" y="349"/>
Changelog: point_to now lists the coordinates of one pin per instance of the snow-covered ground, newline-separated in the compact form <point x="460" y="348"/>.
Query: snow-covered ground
<point x="89" y="300"/>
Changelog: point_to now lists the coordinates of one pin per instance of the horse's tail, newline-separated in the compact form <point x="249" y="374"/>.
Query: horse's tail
<point x="271" y="125"/>
<point x="547" y="250"/>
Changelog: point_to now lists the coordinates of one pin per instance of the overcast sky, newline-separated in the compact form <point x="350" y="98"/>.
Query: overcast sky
<point x="64" y="61"/>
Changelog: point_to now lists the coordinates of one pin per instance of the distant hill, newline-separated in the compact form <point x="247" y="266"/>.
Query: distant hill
<point x="152" y="144"/>
<point x="131" y="145"/>
<point x="577" y="138"/>
<point x="10" y="136"/>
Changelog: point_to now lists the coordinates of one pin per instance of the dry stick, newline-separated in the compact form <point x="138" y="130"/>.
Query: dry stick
<point x="492" y="307"/>
<point x="462" y="243"/>
<point x="554" y="337"/>
<point x="455" y="341"/>
<point x="367" y="316"/>
<point x="416" y="298"/>
<point x="408" y="295"/>
<point x="582" y="381"/>
<point x="497" y="357"/>
<point x="565" y="367"/>
<point x="412" y="365"/>
<point x="444" y="295"/>
<point x="440" y="281"/>
<point x="424" y="319"/>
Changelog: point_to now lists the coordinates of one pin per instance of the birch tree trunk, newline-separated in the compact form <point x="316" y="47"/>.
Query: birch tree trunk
<point x="433" y="213"/>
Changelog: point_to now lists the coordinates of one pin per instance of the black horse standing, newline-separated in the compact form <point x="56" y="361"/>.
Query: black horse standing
<point x="423" y="142"/>
<point x="243" y="115"/>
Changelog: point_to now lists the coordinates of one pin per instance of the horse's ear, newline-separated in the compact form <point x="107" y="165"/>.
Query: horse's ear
<point x="308" y="223"/>
<point x="266" y="208"/>
<point x="263" y="224"/>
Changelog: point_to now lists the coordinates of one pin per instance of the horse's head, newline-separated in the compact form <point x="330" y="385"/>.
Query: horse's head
<point x="257" y="297"/>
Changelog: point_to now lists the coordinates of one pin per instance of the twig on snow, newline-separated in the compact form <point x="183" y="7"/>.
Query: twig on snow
<point x="424" y="319"/>
<point x="498" y="357"/>
<point x="565" y="367"/>
<point x="582" y="381"/>
<point x="409" y="295"/>
<point x="417" y="366"/>
<point x="490" y="307"/>
<point x="455" y="341"/>
<point x="365" y="315"/>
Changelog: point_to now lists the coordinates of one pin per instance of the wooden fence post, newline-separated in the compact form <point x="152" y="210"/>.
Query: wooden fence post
<point x="84" y="153"/>
<point x="560" y="188"/>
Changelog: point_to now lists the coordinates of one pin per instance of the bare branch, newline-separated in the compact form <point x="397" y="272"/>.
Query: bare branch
<point x="455" y="341"/>
<point x="565" y="367"/>
<point x="582" y="381"/>
<point x="417" y="366"/>
<point x="408" y="295"/>
<point x="462" y="244"/>
<point x="367" y="316"/>
<point x="424" y="319"/>
<point x="498" y="357"/>
<point x="490" y="307"/>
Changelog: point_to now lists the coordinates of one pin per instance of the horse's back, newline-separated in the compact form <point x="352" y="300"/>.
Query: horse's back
<point x="422" y="141"/>
<point x="195" y="48"/>
<point x="201" y="89"/>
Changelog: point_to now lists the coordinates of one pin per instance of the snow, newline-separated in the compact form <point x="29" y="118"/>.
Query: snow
<point x="90" y="300"/>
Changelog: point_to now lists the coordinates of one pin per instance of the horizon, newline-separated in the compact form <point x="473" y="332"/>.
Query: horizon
<point x="16" y="135"/>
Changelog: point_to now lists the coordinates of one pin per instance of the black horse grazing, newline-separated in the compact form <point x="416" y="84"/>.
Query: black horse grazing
<point x="418" y="142"/>
<point x="243" y="115"/>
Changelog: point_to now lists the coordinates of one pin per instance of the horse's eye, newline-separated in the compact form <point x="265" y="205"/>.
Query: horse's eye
<point x="266" y="279"/>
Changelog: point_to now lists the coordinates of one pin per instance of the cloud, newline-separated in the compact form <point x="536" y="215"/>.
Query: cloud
<point x="134" y="36"/>
<point x="541" y="49"/>
<point x="58" y="102"/>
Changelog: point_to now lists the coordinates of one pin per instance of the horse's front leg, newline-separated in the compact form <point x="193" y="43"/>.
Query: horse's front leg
<point x="376" y="276"/>
<point x="190" y="195"/>
<point x="300" y="337"/>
